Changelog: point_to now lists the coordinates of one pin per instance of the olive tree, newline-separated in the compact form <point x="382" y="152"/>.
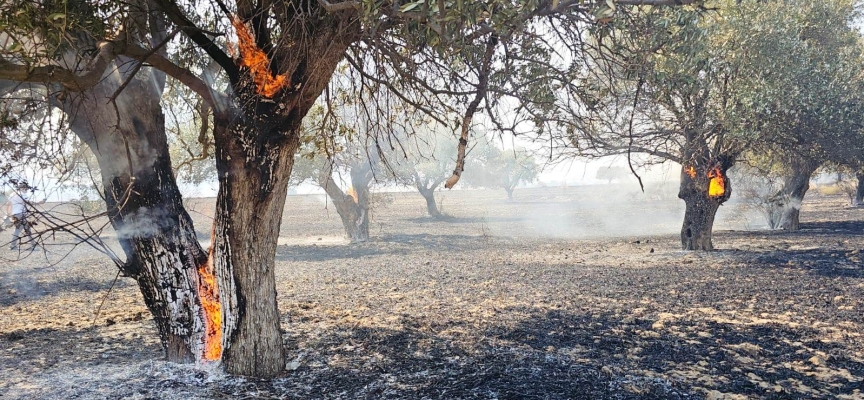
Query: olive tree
<point x="273" y="60"/>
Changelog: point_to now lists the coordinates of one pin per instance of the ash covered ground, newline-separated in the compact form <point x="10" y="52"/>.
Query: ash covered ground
<point x="554" y="295"/>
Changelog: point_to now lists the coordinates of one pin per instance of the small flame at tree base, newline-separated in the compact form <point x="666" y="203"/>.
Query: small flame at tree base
<point x="209" y="295"/>
<point x="717" y="185"/>
<point x="257" y="62"/>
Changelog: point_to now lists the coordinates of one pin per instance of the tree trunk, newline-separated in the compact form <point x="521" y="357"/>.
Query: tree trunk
<point x="859" y="193"/>
<point x="257" y="134"/>
<point x="253" y="185"/>
<point x="509" y="193"/>
<point x="795" y="185"/>
<point x="145" y="206"/>
<point x="703" y="188"/>
<point x="353" y="208"/>
<point x="696" y="234"/>
<point x="431" y="206"/>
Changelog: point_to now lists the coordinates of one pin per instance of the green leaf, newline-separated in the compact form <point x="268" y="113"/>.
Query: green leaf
<point x="410" y="6"/>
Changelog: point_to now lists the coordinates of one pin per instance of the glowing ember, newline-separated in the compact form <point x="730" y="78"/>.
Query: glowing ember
<point x="209" y="294"/>
<point x="257" y="62"/>
<point x="691" y="171"/>
<point x="716" y="186"/>
<point x="353" y="193"/>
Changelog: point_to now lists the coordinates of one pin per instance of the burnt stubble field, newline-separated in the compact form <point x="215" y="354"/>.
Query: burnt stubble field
<point x="563" y="293"/>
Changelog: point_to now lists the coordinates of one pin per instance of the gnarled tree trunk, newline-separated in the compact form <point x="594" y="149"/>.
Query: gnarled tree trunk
<point x="353" y="208"/>
<point x="795" y="185"/>
<point x="144" y="204"/>
<point x="426" y="186"/>
<point x="257" y="136"/>
<point x="702" y="198"/>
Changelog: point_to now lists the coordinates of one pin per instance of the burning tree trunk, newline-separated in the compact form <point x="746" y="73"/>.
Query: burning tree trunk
<point x="257" y="136"/>
<point x="352" y="207"/>
<point x="703" y="188"/>
<point x="145" y="206"/>
<point x="787" y="201"/>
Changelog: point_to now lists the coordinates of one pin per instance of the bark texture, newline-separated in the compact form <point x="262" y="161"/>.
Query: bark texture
<point x="145" y="207"/>
<point x="256" y="139"/>
<point x="251" y="198"/>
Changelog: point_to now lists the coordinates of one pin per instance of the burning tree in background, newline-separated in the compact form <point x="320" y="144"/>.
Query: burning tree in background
<point x="354" y="160"/>
<point x="700" y="98"/>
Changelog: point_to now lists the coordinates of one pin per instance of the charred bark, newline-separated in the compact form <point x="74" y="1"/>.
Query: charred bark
<point x="257" y="133"/>
<point x="253" y="183"/>
<point x="145" y="207"/>
<point x="787" y="201"/>
<point x="702" y="201"/>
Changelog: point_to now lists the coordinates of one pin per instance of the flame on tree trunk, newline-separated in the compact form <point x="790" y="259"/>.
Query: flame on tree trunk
<point x="267" y="84"/>
<point x="257" y="134"/>
<point x="211" y="306"/>
<point x="703" y="193"/>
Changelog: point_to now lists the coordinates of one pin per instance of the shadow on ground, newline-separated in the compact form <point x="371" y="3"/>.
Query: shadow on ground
<point x="553" y="354"/>
<point x="380" y="245"/>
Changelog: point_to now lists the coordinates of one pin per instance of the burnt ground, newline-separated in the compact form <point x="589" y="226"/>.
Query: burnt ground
<point x="555" y="295"/>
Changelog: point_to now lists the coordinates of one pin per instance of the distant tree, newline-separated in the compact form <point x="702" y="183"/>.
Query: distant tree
<point x="423" y="161"/>
<point x="353" y="163"/>
<point x="492" y="167"/>
<point x="609" y="174"/>
<point x="859" y="190"/>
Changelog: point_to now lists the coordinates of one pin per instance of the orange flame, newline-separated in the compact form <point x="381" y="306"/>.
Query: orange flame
<point x="257" y="62"/>
<point x="209" y="294"/>
<point x="691" y="171"/>
<point x="353" y="193"/>
<point x="717" y="186"/>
